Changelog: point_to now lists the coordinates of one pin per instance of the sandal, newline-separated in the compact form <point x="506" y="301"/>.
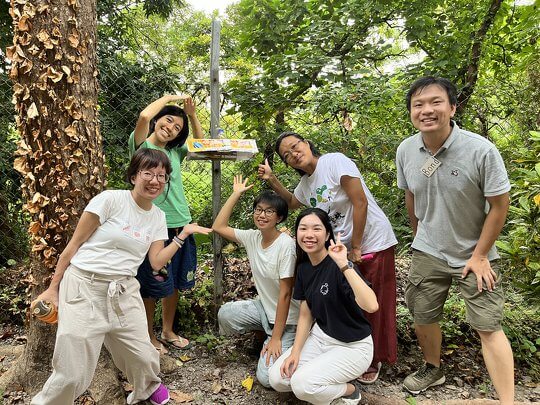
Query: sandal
<point x="177" y="342"/>
<point x="374" y="370"/>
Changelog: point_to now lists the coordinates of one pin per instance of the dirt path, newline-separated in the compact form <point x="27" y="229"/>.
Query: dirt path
<point x="205" y="376"/>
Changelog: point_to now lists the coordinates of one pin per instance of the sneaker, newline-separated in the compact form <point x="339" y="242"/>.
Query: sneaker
<point x="160" y="396"/>
<point x="427" y="376"/>
<point x="351" y="399"/>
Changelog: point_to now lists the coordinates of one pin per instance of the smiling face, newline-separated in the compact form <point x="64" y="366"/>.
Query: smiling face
<point x="146" y="186"/>
<point x="431" y="111"/>
<point x="311" y="235"/>
<point x="167" y="128"/>
<point x="265" y="216"/>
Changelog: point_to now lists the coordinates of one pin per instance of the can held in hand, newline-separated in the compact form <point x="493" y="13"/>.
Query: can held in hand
<point x="44" y="311"/>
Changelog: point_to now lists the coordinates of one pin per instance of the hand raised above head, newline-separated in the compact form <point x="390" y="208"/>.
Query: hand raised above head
<point x="264" y="171"/>
<point x="189" y="106"/>
<point x="240" y="185"/>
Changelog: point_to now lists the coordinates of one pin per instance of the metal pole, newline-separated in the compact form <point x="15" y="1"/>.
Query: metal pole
<point x="216" y="164"/>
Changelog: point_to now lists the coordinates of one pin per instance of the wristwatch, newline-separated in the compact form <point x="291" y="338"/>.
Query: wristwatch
<point x="349" y="265"/>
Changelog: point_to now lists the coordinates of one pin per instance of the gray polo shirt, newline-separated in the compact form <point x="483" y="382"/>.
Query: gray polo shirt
<point x="451" y="204"/>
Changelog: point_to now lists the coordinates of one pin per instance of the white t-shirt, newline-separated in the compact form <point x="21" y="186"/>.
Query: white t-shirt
<point x="120" y="243"/>
<point x="323" y="190"/>
<point x="268" y="266"/>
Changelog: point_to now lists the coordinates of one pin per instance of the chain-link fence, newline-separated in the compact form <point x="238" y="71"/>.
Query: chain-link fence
<point x="125" y="89"/>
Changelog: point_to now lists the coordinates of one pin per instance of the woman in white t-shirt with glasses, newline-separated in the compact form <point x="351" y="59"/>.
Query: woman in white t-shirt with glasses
<point x="333" y="183"/>
<point x="95" y="289"/>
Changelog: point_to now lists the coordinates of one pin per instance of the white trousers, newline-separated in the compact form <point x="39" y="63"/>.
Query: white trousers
<point x="325" y="367"/>
<point x="94" y="310"/>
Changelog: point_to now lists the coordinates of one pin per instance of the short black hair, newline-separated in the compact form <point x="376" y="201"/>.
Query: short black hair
<point x="177" y="112"/>
<point x="275" y="201"/>
<point x="286" y="134"/>
<point x="146" y="158"/>
<point x="426" y="81"/>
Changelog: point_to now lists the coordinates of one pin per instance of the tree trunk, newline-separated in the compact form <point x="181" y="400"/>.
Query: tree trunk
<point x="60" y="155"/>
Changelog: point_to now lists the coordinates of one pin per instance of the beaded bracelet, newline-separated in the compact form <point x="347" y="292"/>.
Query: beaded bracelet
<point x="179" y="242"/>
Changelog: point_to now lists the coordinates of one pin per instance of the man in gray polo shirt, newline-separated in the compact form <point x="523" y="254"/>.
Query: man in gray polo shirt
<point x="456" y="194"/>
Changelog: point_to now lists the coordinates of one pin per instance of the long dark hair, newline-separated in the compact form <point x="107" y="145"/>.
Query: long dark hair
<point x="302" y="256"/>
<point x="286" y="134"/>
<point x="177" y="112"/>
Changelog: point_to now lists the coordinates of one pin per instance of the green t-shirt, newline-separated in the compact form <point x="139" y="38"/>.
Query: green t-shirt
<point x="173" y="200"/>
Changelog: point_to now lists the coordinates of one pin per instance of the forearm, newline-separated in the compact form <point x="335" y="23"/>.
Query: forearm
<point x="305" y="321"/>
<point x="363" y="294"/>
<point x="196" y="126"/>
<point x="282" y="312"/>
<point x="279" y="188"/>
<point x="154" y="107"/>
<point x="493" y="225"/>
<point x="409" y="203"/>
<point x="162" y="257"/>
<point x="359" y="223"/>
<point x="221" y="223"/>
<point x="61" y="266"/>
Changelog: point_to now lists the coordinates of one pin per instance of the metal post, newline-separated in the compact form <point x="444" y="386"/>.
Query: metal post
<point x="216" y="164"/>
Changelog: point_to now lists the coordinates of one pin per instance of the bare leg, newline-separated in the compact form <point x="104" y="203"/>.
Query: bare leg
<point x="169" y="310"/>
<point x="150" y="307"/>
<point x="500" y="363"/>
<point x="430" y="340"/>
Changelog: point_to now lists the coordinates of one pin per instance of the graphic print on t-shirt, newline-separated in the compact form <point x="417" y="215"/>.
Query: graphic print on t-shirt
<point x="137" y="233"/>
<point x="324" y="289"/>
<point x="322" y="195"/>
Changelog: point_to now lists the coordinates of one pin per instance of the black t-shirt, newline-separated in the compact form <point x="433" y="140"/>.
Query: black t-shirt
<point x="331" y="300"/>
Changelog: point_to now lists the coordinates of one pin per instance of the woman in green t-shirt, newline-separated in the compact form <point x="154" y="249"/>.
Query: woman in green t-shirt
<point x="164" y="126"/>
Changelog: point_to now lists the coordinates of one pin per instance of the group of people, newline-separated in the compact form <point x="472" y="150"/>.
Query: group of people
<point x="326" y="304"/>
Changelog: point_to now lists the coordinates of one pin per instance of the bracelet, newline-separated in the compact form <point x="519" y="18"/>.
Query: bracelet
<point x="179" y="242"/>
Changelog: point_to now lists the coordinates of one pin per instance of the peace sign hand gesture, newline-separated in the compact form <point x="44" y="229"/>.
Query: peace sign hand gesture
<point x="338" y="251"/>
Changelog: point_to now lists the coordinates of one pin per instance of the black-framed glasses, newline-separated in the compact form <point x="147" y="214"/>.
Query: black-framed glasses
<point x="149" y="176"/>
<point x="288" y="154"/>
<point x="268" y="211"/>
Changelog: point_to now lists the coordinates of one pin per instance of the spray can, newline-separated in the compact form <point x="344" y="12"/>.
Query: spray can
<point x="44" y="310"/>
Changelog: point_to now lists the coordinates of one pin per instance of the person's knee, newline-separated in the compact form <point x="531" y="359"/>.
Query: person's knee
<point x="491" y="336"/>
<point x="225" y="320"/>
<point x="263" y="375"/>
<point x="302" y="388"/>
<point x="276" y="381"/>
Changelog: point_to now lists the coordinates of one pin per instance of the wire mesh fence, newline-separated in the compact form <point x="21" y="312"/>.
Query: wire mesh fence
<point x="122" y="96"/>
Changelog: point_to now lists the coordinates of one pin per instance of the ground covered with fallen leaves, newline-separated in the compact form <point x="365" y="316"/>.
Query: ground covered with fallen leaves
<point x="222" y="370"/>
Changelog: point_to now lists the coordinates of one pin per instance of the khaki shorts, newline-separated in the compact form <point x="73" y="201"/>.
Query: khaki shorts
<point x="427" y="288"/>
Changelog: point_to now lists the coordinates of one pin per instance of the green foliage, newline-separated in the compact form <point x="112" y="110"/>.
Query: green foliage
<point x="209" y="340"/>
<point x="521" y="243"/>
<point x="195" y="307"/>
<point x="13" y="303"/>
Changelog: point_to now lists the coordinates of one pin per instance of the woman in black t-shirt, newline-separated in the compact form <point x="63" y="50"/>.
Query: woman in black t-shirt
<point x="333" y="342"/>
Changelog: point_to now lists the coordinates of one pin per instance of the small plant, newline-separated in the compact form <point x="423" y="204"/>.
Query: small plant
<point x="209" y="340"/>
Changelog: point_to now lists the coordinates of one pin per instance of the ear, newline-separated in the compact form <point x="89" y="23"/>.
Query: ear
<point x="132" y="180"/>
<point x="279" y="220"/>
<point x="453" y="111"/>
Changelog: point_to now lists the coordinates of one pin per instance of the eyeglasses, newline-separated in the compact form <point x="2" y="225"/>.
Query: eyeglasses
<point x="268" y="211"/>
<point x="288" y="154"/>
<point x="149" y="176"/>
